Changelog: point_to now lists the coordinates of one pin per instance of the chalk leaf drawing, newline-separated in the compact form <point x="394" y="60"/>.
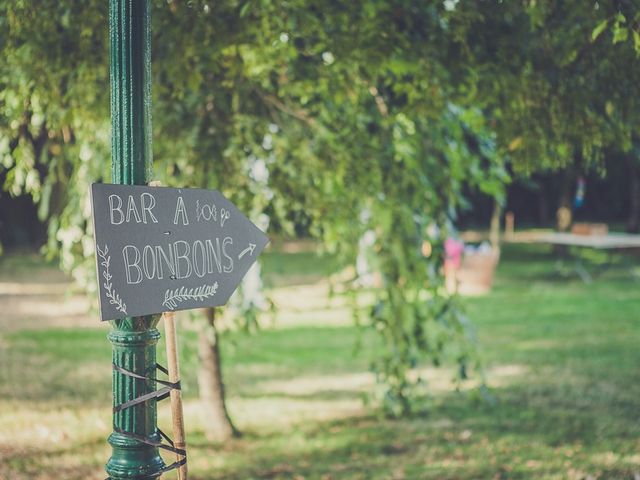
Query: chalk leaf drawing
<point x="181" y="294"/>
<point x="110" y="293"/>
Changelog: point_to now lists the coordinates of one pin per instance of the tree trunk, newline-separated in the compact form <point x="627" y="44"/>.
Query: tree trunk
<point x="564" y="213"/>
<point x="494" y="230"/>
<point x="633" y="222"/>
<point x="218" y="425"/>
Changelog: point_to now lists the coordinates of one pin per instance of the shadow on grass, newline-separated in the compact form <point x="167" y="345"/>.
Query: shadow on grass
<point x="529" y="434"/>
<point x="536" y="430"/>
<point x="545" y="425"/>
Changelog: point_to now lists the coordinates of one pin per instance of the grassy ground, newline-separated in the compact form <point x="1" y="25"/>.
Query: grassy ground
<point x="562" y="362"/>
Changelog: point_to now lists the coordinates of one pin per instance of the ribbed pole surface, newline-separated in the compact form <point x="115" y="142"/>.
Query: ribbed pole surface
<point x="130" y="66"/>
<point x="134" y="339"/>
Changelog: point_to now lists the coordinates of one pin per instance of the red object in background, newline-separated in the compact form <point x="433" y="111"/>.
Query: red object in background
<point x="453" y="253"/>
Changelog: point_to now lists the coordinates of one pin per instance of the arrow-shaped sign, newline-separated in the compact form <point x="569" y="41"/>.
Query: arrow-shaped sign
<point x="160" y="249"/>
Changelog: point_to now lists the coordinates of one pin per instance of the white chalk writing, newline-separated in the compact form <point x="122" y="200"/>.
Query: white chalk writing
<point x="181" y="211"/>
<point x="180" y="259"/>
<point x="142" y="214"/>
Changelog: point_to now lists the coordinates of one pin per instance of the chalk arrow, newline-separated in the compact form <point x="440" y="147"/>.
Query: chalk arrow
<point x="249" y="250"/>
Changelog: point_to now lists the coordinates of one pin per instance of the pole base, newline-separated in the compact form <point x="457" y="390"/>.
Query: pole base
<point x="134" y="460"/>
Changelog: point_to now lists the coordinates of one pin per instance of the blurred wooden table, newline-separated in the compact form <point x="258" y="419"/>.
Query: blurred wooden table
<point x="610" y="243"/>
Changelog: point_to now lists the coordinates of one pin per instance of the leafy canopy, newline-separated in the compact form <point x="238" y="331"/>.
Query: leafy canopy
<point x="353" y="116"/>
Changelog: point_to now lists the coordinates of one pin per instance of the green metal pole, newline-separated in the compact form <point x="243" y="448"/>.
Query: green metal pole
<point x="134" y="339"/>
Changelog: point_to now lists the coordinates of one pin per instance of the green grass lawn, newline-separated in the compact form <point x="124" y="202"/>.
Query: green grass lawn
<point x="562" y="362"/>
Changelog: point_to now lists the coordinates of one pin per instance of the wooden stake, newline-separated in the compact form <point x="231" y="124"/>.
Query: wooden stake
<point x="177" y="415"/>
<point x="176" y="396"/>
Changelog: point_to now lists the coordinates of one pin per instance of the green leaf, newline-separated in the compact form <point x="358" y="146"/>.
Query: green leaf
<point x="620" y="34"/>
<point x="620" y="29"/>
<point x="599" y="29"/>
<point x="246" y="8"/>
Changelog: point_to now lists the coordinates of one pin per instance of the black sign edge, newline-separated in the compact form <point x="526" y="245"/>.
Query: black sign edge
<point x="95" y="254"/>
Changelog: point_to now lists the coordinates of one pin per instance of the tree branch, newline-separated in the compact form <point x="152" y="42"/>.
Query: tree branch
<point x="300" y="114"/>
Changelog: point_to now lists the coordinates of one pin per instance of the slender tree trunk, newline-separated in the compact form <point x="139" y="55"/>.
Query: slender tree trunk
<point x="564" y="213"/>
<point x="633" y="222"/>
<point x="217" y="422"/>
<point x="494" y="231"/>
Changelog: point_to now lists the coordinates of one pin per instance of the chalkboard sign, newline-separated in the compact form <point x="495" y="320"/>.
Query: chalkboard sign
<point x="160" y="249"/>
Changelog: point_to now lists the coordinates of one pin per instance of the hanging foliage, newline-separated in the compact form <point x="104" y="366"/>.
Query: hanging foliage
<point x="365" y="117"/>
